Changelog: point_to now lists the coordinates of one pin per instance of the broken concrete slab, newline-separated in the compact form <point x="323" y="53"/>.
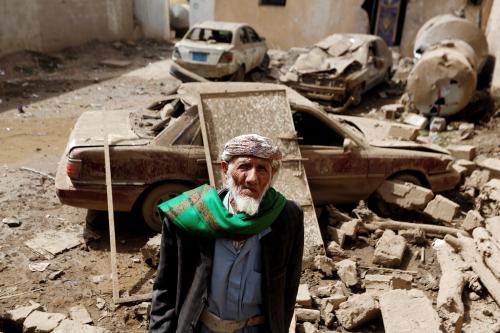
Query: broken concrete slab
<point x="42" y="322"/>
<point x="416" y="120"/>
<point x="377" y="284"/>
<point x="464" y="152"/>
<point x="324" y="264"/>
<point x="80" y="314"/>
<point x="309" y="315"/>
<point x="350" y="228"/>
<point x="442" y="209"/>
<point x="51" y="242"/>
<point x="331" y="303"/>
<point x="467" y="166"/>
<point x="390" y="249"/>
<point x="408" y="311"/>
<point x="151" y="251"/>
<point x="472" y="220"/>
<point x="303" y="296"/>
<point x="18" y="315"/>
<point x="347" y="271"/>
<point x="492" y="165"/>
<point x="67" y="326"/>
<point x="403" y="133"/>
<point x="405" y="194"/>
<point x="357" y="310"/>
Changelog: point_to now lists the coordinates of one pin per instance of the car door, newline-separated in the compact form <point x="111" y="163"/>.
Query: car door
<point x="258" y="47"/>
<point x="335" y="174"/>
<point x="246" y="47"/>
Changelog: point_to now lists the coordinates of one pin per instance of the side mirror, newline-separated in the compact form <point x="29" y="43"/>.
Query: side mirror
<point x="349" y="145"/>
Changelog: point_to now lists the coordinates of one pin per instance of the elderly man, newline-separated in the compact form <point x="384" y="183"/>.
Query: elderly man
<point x="230" y="261"/>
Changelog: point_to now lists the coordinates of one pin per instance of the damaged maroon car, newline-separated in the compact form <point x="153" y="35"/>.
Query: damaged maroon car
<point x="157" y="154"/>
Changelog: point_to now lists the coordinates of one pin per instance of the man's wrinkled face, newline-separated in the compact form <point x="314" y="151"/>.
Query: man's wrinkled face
<point x="248" y="178"/>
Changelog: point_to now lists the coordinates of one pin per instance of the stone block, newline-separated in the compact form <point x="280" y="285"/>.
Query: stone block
<point x="403" y="132"/>
<point x="19" y="314"/>
<point x="377" y="284"/>
<point x="472" y="220"/>
<point x="491" y="164"/>
<point x="357" y="310"/>
<point x="416" y="120"/>
<point x="347" y="272"/>
<point x="309" y="315"/>
<point x="442" y="209"/>
<point x="464" y="152"/>
<point x="404" y="194"/>
<point x="72" y="326"/>
<point x="42" y="322"/>
<point x="80" y="314"/>
<point x="324" y="264"/>
<point x="151" y="251"/>
<point x="303" y="296"/>
<point x="390" y="249"/>
<point x="438" y="124"/>
<point x="408" y="311"/>
<point x="336" y="235"/>
<point x="350" y="228"/>
<point x="469" y="166"/>
<point x="401" y="281"/>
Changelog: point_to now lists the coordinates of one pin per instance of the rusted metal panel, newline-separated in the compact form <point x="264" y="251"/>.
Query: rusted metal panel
<point x="267" y="113"/>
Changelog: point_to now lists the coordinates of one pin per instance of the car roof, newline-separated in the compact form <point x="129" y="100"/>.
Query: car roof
<point x="220" y="25"/>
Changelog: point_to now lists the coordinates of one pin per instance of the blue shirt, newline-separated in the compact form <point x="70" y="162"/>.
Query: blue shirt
<point x="235" y="287"/>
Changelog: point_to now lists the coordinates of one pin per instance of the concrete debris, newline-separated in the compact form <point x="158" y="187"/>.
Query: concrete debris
<point x="336" y="235"/>
<point x="357" y="310"/>
<point x="478" y="179"/>
<point x="115" y="63"/>
<point x="38" y="266"/>
<point x="100" y="303"/>
<point x="404" y="194"/>
<point x="309" y="315"/>
<point x="332" y="303"/>
<point x="390" y="250"/>
<point x="18" y="315"/>
<point x="392" y="111"/>
<point x="324" y="264"/>
<point x="11" y="221"/>
<point x="403" y="132"/>
<point x="55" y="275"/>
<point x="151" y="251"/>
<point x="307" y="327"/>
<point x="493" y="226"/>
<point x="73" y="326"/>
<point x="42" y="322"/>
<point x="405" y="65"/>
<point x="80" y="314"/>
<point x="408" y="311"/>
<point x="303" y="296"/>
<point x="376" y="284"/>
<point x="334" y="250"/>
<point x="438" y="124"/>
<point x="413" y="236"/>
<point x="491" y="164"/>
<point x="347" y="272"/>
<point x="350" y="228"/>
<point x="465" y="167"/>
<point x="401" y="281"/>
<point x="442" y="209"/>
<point x="466" y="130"/>
<point x="472" y="220"/>
<point x="464" y="152"/>
<point x="488" y="248"/>
<point x="416" y="120"/>
<point x="52" y="242"/>
<point x="142" y="310"/>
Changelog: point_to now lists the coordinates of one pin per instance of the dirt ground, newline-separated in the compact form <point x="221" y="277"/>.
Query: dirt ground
<point x="40" y="101"/>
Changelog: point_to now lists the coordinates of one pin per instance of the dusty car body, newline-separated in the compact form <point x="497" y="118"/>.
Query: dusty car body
<point x="340" y="67"/>
<point x="216" y="50"/>
<point x="150" y="163"/>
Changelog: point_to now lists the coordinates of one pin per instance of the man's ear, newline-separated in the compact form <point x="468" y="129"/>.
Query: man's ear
<point x="224" y="166"/>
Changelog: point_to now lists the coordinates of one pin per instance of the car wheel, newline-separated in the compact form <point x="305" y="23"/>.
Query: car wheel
<point x="387" y="210"/>
<point x="239" y="75"/>
<point x="156" y="196"/>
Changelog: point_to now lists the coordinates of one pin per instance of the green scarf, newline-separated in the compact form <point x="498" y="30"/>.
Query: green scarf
<point x="200" y="212"/>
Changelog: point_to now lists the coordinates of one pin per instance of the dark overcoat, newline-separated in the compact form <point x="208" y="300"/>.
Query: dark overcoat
<point x="180" y="291"/>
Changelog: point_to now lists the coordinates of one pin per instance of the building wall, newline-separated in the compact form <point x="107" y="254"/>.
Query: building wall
<point x="154" y="18"/>
<point x="49" y="25"/>
<point x="492" y="35"/>
<point x="299" y="23"/>
<point x="202" y="10"/>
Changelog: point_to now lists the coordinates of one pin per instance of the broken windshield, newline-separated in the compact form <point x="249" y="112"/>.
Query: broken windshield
<point x="206" y="35"/>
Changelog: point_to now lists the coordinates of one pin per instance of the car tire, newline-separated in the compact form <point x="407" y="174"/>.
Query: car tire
<point x="239" y="75"/>
<point x="156" y="196"/>
<point x="387" y="210"/>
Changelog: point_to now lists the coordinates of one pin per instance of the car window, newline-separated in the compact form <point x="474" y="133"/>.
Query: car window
<point x="204" y="34"/>
<point x="252" y="35"/>
<point x="313" y="131"/>
<point x="244" y="36"/>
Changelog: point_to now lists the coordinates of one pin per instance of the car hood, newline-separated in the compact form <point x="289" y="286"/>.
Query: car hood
<point x="90" y="126"/>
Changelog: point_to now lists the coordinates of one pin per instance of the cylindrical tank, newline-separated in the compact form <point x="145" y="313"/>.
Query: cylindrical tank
<point x="444" y="80"/>
<point x="179" y="16"/>
<point x="445" y="27"/>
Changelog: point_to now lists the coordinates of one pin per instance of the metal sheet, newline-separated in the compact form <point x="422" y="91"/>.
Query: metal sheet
<point x="267" y="113"/>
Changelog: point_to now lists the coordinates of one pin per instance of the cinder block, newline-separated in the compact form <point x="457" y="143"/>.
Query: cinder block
<point x="347" y="271"/>
<point x="357" y="310"/>
<point x="491" y="164"/>
<point x="442" y="209"/>
<point x="472" y="220"/>
<point x="404" y="194"/>
<point x="408" y="311"/>
<point x="416" y="120"/>
<point x="390" y="249"/>
<point x="303" y="296"/>
<point x="465" y="152"/>
<point x="404" y="133"/>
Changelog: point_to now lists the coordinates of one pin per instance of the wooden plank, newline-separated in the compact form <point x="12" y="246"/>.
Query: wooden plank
<point x="134" y="298"/>
<point x="206" y="148"/>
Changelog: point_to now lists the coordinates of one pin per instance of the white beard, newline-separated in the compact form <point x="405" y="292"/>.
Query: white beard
<point x="243" y="203"/>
